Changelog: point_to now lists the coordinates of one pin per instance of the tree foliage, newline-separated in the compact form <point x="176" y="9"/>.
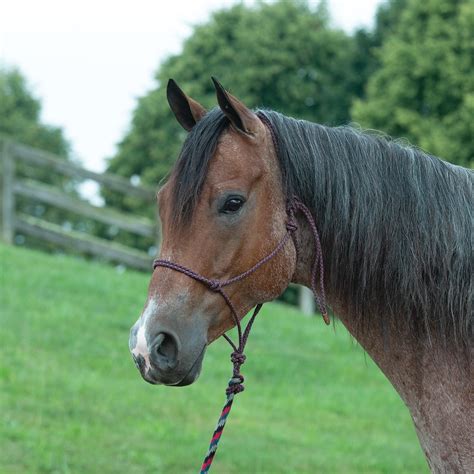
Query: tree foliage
<point x="20" y="115"/>
<point x="409" y="76"/>
<point x="281" y="55"/>
<point x="367" y="41"/>
<point x="424" y="87"/>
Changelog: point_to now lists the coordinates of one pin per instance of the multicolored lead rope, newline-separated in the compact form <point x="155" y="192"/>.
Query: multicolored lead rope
<point x="235" y="386"/>
<point x="237" y="357"/>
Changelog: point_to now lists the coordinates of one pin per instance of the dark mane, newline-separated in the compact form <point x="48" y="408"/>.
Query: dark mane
<point x="395" y="223"/>
<point x="190" y="170"/>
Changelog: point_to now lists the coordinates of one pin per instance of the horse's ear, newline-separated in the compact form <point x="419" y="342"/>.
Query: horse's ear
<point x="241" y="117"/>
<point x="186" y="110"/>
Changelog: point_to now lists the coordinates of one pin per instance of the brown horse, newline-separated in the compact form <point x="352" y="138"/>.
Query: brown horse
<point x="396" y="236"/>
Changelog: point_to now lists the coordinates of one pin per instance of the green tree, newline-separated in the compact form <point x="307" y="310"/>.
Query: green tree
<point x="20" y="115"/>
<point x="367" y="41"/>
<point x="282" y="55"/>
<point x="424" y="88"/>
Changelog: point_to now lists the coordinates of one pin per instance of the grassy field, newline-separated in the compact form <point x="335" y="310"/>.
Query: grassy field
<point x="71" y="400"/>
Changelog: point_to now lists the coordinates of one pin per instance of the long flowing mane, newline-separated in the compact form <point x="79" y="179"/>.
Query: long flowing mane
<point x="395" y="223"/>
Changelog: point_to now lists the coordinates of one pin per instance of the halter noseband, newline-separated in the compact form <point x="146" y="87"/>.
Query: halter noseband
<point x="237" y="357"/>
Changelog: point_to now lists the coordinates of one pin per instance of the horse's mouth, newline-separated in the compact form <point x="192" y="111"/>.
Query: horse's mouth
<point x="155" y="378"/>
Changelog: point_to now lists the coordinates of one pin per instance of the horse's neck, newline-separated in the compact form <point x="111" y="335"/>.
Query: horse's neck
<point x="436" y="383"/>
<point x="435" y="380"/>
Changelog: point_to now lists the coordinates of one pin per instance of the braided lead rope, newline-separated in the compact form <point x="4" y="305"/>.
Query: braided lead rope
<point x="237" y="357"/>
<point x="234" y="387"/>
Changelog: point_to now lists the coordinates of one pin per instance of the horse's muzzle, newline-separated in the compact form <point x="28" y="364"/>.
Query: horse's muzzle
<point x="166" y="359"/>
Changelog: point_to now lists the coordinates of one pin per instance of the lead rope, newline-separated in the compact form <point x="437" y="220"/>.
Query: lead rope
<point x="234" y="387"/>
<point x="238" y="357"/>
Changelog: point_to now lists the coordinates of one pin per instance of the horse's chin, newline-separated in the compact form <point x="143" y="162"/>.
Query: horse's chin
<point x="189" y="379"/>
<point x="177" y="379"/>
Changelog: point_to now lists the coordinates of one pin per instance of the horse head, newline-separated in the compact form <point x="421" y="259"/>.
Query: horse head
<point x="222" y="210"/>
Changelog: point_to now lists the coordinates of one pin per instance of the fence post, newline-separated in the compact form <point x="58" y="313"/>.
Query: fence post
<point x="306" y="301"/>
<point x="8" y="198"/>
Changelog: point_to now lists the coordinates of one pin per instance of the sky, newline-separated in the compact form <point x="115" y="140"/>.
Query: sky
<point x="89" y="61"/>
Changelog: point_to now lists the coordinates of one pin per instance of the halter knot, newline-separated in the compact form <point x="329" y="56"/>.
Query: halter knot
<point x="214" y="285"/>
<point x="291" y="226"/>
<point x="235" y="385"/>
<point x="237" y="359"/>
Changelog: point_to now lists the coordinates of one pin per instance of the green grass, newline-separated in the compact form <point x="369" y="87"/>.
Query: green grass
<point x="71" y="399"/>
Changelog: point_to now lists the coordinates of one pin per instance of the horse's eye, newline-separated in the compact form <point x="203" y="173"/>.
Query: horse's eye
<point x="232" y="204"/>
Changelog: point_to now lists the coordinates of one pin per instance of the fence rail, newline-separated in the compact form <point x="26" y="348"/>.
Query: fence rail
<point x="52" y="162"/>
<point x="82" y="242"/>
<point x="12" y="221"/>
<point x="50" y="195"/>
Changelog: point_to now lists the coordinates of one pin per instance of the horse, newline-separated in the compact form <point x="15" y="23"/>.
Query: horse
<point x="395" y="228"/>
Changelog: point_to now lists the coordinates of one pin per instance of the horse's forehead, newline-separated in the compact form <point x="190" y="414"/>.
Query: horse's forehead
<point x="233" y="142"/>
<point x="238" y="155"/>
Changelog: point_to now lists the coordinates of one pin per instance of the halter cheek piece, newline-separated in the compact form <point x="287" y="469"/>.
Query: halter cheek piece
<point x="237" y="357"/>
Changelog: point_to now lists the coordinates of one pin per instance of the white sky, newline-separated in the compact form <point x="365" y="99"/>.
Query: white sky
<point x="88" y="61"/>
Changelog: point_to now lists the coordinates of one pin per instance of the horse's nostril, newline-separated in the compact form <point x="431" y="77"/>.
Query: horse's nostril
<point x="164" y="351"/>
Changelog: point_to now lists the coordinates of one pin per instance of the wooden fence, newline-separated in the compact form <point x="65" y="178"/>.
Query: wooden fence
<point x="14" y="221"/>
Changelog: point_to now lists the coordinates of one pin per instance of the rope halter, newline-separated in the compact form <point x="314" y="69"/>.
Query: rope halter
<point x="237" y="357"/>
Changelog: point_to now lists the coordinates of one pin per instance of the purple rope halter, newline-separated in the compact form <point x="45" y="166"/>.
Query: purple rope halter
<point x="237" y="357"/>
